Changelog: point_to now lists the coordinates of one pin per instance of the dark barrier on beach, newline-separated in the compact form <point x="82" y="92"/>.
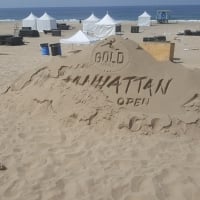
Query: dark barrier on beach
<point x="63" y="26"/>
<point x="187" y="32"/>
<point x="28" y="33"/>
<point x="193" y="33"/>
<point x="55" y="49"/>
<point x="56" y="32"/>
<point x="134" y="29"/>
<point x="118" y="28"/>
<point x="44" y="49"/>
<point x="25" y="28"/>
<point x="14" y="41"/>
<point x="155" y="39"/>
<point x="3" y="39"/>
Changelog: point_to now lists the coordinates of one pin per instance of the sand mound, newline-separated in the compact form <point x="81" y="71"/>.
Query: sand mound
<point x="114" y="84"/>
<point x="74" y="129"/>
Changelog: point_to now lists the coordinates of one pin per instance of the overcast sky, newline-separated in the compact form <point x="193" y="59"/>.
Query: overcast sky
<point x="58" y="3"/>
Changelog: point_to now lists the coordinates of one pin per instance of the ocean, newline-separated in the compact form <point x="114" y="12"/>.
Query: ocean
<point x="123" y="13"/>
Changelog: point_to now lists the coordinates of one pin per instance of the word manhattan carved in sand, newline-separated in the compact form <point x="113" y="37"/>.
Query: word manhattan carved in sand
<point x="128" y="85"/>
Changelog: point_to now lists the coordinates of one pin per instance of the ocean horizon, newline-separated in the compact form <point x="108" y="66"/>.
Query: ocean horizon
<point x="121" y="13"/>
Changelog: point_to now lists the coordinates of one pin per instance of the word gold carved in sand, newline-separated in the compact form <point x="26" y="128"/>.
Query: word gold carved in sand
<point x="110" y="57"/>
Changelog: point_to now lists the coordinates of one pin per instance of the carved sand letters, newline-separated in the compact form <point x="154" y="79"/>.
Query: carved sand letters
<point x="133" y="101"/>
<point x="109" y="57"/>
<point x="125" y="86"/>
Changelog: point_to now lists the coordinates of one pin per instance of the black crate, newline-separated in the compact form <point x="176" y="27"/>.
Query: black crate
<point x="56" y="32"/>
<point x="134" y="29"/>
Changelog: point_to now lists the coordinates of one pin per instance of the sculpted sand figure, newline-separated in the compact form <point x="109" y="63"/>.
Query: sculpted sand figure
<point x="139" y="83"/>
<point x="104" y="123"/>
<point x="109" y="43"/>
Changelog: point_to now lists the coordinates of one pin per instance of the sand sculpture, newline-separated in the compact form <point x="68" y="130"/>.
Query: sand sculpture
<point x="114" y="84"/>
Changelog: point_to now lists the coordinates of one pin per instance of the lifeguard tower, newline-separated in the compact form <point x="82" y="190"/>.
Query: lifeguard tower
<point x="163" y="16"/>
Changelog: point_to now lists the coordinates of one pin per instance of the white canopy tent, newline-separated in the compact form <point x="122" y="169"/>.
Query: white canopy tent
<point x="30" y="21"/>
<point x="144" y="19"/>
<point x="105" y="27"/>
<point x="46" y="22"/>
<point x="79" y="38"/>
<point x="89" y="24"/>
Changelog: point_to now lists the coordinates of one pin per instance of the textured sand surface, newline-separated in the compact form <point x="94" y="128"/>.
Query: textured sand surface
<point x="65" y="134"/>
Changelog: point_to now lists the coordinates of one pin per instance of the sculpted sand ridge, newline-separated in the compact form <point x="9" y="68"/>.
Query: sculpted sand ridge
<point x="100" y="122"/>
<point x="114" y="77"/>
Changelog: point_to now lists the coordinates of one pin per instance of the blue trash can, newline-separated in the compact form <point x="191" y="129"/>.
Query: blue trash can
<point x="55" y="49"/>
<point x="44" y="49"/>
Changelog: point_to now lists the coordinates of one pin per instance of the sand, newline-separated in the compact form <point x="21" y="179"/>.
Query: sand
<point x="64" y="135"/>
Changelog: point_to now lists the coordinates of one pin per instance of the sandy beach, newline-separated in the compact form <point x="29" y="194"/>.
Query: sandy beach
<point x="60" y="140"/>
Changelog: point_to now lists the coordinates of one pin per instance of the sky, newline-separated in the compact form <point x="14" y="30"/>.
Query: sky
<point x="68" y="3"/>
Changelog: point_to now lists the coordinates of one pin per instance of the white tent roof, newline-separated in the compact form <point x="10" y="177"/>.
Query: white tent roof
<point x="31" y="17"/>
<point x="30" y="21"/>
<point x="107" y="20"/>
<point x="92" y="18"/>
<point x="79" y="38"/>
<point x="46" y="22"/>
<point x="45" y="16"/>
<point x="144" y="19"/>
<point x="89" y="24"/>
<point x="145" y="14"/>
